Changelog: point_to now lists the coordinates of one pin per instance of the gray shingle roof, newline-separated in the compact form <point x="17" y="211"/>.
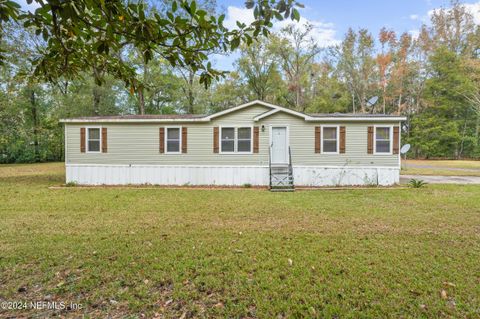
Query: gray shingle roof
<point x="367" y="115"/>
<point x="142" y="117"/>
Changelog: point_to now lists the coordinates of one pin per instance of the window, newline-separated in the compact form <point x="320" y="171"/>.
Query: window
<point x="236" y="140"/>
<point x="173" y="139"/>
<point x="244" y="140"/>
<point x="382" y="139"/>
<point x="330" y="139"/>
<point x="228" y="139"/>
<point x="93" y="139"/>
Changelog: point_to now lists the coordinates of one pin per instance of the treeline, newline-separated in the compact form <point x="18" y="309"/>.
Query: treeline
<point x="432" y="77"/>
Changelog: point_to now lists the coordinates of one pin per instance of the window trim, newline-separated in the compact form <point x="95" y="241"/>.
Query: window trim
<point x="322" y="135"/>
<point x="87" y="138"/>
<point x="390" y="139"/>
<point x="180" y="140"/>
<point x="235" y="139"/>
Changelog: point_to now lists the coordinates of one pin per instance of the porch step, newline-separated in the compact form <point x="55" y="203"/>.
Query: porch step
<point x="281" y="176"/>
<point x="281" y="179"/>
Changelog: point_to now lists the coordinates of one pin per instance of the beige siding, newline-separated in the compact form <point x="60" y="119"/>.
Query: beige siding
<point x="302" y="144"/>
<point x="139" y="143"/>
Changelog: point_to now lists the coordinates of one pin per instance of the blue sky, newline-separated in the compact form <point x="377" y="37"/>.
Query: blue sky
<point x="333" y="18"/>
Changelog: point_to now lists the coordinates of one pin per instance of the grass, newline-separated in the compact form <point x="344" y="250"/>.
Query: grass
<point x="238" y="253"/>
<point x="441" y="167"/>
<point x="448" y="163"/>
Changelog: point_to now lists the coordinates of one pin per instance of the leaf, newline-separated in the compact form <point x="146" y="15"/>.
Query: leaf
<point x="295" y="15"/>
<point x="174" y="6"/>
<point x="234" y="43"/>
<point x="193" y="7"/>
<point x="443" y="294"/>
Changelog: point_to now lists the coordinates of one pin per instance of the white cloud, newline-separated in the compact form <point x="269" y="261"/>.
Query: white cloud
<point x="414" y="33"/>
<point x="473" y="8"/>
<point x="234" y="14"/>
<point x="323" y="33"/>
<point x="414" y="17"/>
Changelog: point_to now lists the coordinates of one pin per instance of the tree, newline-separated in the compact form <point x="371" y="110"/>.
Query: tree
<point x="330" y="94"/>
<point x="384" y="60"/>
<point x="80" y="34"/>
<point x="257" y="66"/>
<point x="296" y="51"/>
<point x="444" y="93"/>
<point x="433" y="136"/>
<point x="356" y="66"/>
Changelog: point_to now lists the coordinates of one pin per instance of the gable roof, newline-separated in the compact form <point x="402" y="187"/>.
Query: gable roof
<point x="207" y="118"/>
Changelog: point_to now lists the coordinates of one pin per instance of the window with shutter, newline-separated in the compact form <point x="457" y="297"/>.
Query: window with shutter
<point x="330" y="139"/>
<point x="94" y="139"/>
<point x="173" y="140"/>
<point x="383" y="140"/>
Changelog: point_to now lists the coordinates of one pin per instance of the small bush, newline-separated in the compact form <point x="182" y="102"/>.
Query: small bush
<point x="247" y="185"/>
<point x="71" y="184"/>
<point x="417" y="183"/>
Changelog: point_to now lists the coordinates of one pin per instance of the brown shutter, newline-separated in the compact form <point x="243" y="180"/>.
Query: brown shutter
<point x="342" y="139"/>
<point x="184" y="140"/>
<point x="104" y="139"/>
<point x="317" y="138"/>
<point x="82" y="140"/>
<point x="162" y="139"/>
<point x="215" y="139"/>
<point x="255" y="139"/>
<point x="370" y="140"/>
<point x="396" y="139"/>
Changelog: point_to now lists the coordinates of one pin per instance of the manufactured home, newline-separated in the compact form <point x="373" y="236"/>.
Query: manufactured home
<point x="256" y="143"/>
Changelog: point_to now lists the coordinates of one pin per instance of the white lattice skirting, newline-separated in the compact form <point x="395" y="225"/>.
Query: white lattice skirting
<point x="96" y="174"/>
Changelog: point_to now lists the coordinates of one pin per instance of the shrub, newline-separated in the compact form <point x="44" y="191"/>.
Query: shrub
<point x="417" y="183"/>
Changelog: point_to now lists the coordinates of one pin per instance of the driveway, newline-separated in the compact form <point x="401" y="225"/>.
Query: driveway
<point x="435" y="179"/>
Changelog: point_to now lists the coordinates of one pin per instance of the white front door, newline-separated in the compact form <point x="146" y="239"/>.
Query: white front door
<point x="279" y="145"/>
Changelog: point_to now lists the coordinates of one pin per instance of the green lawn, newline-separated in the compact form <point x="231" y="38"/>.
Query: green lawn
<point x="441" y="167"/>
<point x="238" y="253"/>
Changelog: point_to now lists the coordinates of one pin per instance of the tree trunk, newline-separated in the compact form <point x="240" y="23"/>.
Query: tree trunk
<point x="96" y="99"/>
<point x="399" y="103"/>
<point x="141" y="101"/>
<point x="477" y="129"/>
<point x="33" y="108"/>
<point x="384" y="101"/>
<point x="460" y="153"/>
<point x="191" y="96"/>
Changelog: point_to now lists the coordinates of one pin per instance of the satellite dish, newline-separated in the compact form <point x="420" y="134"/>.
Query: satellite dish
<point x="405" y="148"/>
<point x="371" y="102"/>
